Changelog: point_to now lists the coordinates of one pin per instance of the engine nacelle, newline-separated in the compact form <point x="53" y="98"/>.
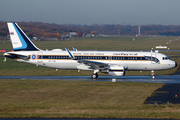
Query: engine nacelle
<point x="115" y="70"/>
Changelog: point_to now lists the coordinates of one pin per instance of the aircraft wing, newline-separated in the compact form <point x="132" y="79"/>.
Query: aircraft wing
<point x="92" y="64"/>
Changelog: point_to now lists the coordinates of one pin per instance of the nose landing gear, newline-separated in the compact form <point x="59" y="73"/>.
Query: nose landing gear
<point x="152" y="74"/>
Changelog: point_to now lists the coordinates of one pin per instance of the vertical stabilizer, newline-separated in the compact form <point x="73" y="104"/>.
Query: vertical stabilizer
<point x="19" y="39"/>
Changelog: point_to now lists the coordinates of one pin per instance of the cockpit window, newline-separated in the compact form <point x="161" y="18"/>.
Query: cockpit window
<point x="165" y="58"/>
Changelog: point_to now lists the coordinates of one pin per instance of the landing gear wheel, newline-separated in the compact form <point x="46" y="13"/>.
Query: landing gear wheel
<point x="153" y="76"/>
<point x="94" y="76"/>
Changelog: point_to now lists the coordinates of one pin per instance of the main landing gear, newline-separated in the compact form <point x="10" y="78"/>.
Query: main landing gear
<point x="95" y="75"/>
<point x="152" y="74"/>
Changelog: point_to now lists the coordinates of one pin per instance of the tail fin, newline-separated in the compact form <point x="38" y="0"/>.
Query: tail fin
<point x="19" y="39"/>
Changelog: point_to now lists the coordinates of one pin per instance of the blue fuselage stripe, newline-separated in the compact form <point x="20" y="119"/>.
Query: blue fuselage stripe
<point x="130" y="58"/>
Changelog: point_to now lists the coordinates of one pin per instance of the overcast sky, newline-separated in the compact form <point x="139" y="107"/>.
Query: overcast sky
<point x="124" y="12"/>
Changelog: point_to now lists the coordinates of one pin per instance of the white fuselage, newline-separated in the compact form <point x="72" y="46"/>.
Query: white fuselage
<point x="60" y="59"/>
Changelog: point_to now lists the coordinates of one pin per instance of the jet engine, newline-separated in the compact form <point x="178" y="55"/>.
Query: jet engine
<point x="115" y="70"/>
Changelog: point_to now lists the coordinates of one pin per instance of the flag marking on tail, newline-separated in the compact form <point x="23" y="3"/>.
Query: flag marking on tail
<point x="12" y="33"/>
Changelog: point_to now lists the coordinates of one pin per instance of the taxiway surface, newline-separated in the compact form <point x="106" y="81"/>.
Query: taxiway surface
<point x="173" y="79"/>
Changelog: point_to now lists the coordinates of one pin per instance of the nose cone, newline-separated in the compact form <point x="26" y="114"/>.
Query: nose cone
<point x="175" y="64"/>
<point x="171" y="64"/>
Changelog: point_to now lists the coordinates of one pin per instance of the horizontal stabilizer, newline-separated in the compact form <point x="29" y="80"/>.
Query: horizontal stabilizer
<point x="16" y="56"/>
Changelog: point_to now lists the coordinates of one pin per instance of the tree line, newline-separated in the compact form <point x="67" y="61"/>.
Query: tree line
<point x="40" y="29"/>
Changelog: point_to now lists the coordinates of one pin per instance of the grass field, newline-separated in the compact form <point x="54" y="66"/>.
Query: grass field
<point x="108" y="43"/>
<point x="80" y="99"/>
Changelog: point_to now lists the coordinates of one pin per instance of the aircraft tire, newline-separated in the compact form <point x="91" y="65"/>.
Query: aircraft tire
<point x="153" y="76"/>
<point x="94" y="76"/>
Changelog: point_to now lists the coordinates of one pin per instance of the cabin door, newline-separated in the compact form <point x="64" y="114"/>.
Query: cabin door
<point x="40" y="58"/>
<point x="109" y="58"/>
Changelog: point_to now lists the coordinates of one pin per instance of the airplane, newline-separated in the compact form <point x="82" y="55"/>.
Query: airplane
<point x="114" y="63"/>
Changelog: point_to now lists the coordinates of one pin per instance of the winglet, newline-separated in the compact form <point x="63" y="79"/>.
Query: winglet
<point x="70" y="55"/>
<point x="74" y="49"/>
